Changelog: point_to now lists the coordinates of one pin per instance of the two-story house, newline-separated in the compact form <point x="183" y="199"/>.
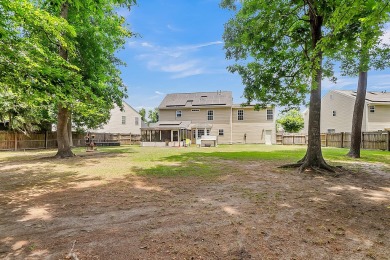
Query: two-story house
<point x="337" y="110"/>
<point x="123" y="121"/>
<point x="194" y="115"/>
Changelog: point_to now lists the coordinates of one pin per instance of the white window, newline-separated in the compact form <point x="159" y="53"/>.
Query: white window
<point x="334" y="113"/>
<point x="372" y="109"/>
<point x="178" y="113"/>
<point x="240" y="115"/>
<point x="270" y="114"/>
<point x="123" y="120"/>
<point x="220" y="132"/>
<point x="208" y="132"/>
<point x="200" y="133"/>
<point x="210" y="115"/>
<point x="195" y="110"/>
<point x="136" y="121"/>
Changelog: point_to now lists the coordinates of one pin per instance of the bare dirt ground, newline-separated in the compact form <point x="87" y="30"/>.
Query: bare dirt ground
<point x="252" y="210"/>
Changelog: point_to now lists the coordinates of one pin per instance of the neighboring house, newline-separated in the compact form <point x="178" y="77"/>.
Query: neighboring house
<point x="122" y="122"/>
<point x="195" y="115"/>
<point x="337" y="109"/>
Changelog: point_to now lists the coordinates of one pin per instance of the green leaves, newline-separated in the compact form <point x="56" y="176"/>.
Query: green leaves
<point x="32" y="70"/>
<point x="271" y="39"/>
<point x="291" y="121"/>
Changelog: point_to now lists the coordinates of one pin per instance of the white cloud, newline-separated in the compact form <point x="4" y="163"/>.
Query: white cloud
<point x="385" y="38"/>
<point x="187" y="73"/>
<point x="179" y="67"/>
<point x="180" y="61"/>
<point x="146" y="44"/>
<point x="159" y="93"/>
<point x="173" y="28"/>
<point x="341" y="83"/>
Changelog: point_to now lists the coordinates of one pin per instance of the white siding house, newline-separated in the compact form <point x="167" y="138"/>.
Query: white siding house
<point x="193" y="115"/>
<point x="122" y="122"/>
<point x="337" y="110"/>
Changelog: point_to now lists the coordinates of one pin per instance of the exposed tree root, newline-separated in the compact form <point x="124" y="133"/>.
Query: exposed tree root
<point x="303" y="159"/>
<point x="64" y="154"/>
<point x="304" y="165"/>
<point x="292" y="165"/>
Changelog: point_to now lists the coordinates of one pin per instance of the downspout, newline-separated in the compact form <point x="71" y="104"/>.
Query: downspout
<point x="366" y="112"/>
<point x="231" y="124"/>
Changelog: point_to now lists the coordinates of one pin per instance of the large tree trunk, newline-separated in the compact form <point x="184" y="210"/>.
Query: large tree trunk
<point x="70" y="130"/>
<point x="313" y="158"/>
<point x="64" y="148"/>
<point x="357" y="118"/>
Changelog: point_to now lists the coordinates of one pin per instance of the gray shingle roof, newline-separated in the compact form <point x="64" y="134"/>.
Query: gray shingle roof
<point x="371" y="96"/>
<point x="198" y="99"/>
<point x="167" y="125"/>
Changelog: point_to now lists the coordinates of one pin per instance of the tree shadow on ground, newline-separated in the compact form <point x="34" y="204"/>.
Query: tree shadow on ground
<point x="202" y="206"/>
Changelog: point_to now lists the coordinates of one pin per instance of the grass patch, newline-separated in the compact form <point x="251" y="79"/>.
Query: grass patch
<point x="119" y="161"/>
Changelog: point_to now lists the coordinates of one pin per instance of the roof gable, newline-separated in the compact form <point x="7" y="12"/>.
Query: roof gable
<point x="371" y="96"/>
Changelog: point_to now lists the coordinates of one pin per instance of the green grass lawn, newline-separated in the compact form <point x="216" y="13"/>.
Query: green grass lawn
<point x="112" y="162"/>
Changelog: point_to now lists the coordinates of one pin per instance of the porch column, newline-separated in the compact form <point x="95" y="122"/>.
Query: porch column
<point x="160" y="134"/>
<point x="150" y="136"/>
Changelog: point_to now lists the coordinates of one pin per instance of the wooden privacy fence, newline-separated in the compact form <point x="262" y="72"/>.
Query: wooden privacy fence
<point x="291" y="139"/>
<point x="19" y="141"/>
<point x="370" y="140"/>
<point x="121" y="138"/>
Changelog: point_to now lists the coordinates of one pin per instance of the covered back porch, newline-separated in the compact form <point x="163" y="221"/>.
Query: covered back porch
<point x="166" y="133"/>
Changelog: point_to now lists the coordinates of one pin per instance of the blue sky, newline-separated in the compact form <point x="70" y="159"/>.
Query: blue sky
<point x="179" y="48"/>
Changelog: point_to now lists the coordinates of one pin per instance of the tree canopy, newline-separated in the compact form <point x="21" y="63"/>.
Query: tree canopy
<point x="279" y="48"/>
<point x="61" y="54"/>
<point x="292" y="121"/>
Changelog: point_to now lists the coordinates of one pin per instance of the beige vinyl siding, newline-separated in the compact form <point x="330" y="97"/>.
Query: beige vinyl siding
<point x="380" y="119"/>
<point x="251" y="116"/>
<point x="221" y="115"/>
<point x="343" y="105"/>
<point x="255" y="132"/>
<point x="115" y="125"/>
<point x="305" y="115"/>
<point x="225" y="139"/>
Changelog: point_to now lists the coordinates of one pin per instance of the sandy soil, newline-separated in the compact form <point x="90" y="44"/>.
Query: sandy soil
<point x="251" y="211"/>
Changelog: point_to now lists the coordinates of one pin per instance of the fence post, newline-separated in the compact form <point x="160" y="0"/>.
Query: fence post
<point x="130" y="139"/>
<point x="326" y="140"/>
<point x="45" y="139"/>
<point x="16" y="141"/>
<point x="342" y="139"/>
<point x="388" y="140"/>
<point x="362" y="140"/>
<point x="293" y="142"/>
